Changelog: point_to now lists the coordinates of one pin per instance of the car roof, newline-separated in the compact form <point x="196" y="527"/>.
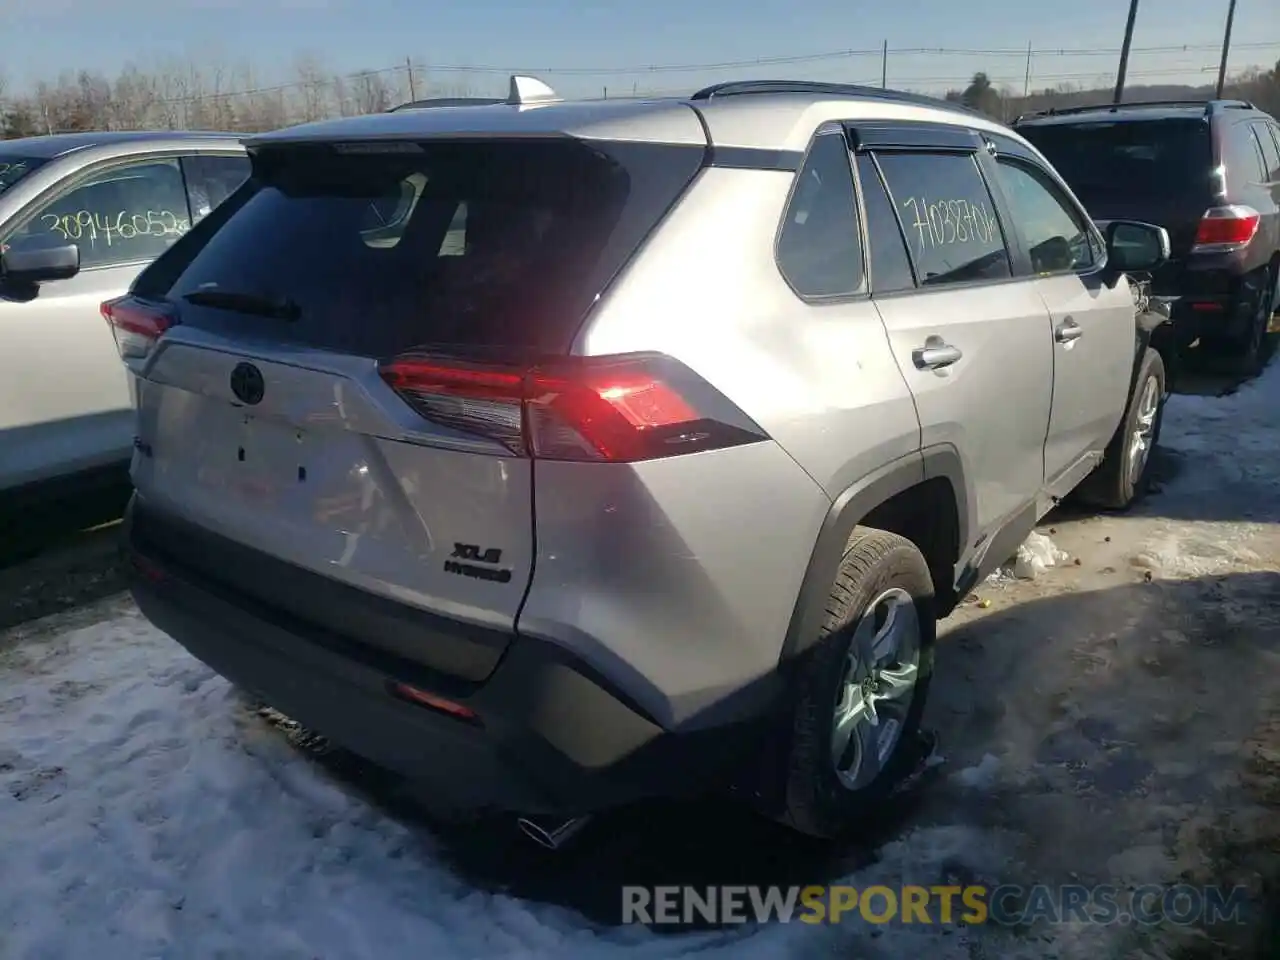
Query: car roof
<point x="1137" y="111"/>
<point x="771" y="115"/>
<point x="60" y="144"/>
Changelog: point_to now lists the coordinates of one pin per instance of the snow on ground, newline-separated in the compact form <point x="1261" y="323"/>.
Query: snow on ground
<point x="1094" y="724"/>
<point x="144" y="813"/>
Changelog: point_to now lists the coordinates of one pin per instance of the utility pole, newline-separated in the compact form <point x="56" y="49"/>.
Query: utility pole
<point x="1124" y="51"/>
<point x="1226" y="47"/>
<point x="884" y="66"/>
<point x="1026" y="84"/>
<point x="413" y="87"/>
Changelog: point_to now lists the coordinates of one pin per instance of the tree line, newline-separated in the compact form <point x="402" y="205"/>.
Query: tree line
<point x="1257" y="85"/>
<point x="190" y="97"/>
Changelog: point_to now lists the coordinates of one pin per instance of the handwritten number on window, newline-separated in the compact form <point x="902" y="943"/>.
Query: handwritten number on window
<point x="941" y="223"/>
<point x="110" y="229"/>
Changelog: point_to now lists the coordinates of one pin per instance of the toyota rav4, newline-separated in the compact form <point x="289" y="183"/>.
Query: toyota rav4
<point x="565" y="454"/>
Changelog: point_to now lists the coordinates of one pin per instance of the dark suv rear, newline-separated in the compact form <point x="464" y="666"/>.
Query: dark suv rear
<point x="1209" y="173"/>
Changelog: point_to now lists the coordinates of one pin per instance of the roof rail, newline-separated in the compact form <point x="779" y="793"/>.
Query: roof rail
<point x="733" y="88"/>
<point x="1207" y="105"/>
<point x="448" y="102"/>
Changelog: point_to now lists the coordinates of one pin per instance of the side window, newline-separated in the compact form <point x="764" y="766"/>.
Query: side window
<point x="1245" y="163"/>
<point x="948" y="215"/>
<point x="124" y="214"/>
<point x="1270" y="153"/>
<point x="890" y="264"/>
<point x="1057" y="237"/>
<point x="819" y="252"/>
<point x="211" y="179"/>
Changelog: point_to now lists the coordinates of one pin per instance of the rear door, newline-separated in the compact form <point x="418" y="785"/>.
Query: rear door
<point x="336" y="258"/>
<point x="1093" y="322"/>
<point x="972" y="339"/>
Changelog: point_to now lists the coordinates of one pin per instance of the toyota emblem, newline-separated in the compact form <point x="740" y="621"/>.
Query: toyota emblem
<point x="247" y="383"/>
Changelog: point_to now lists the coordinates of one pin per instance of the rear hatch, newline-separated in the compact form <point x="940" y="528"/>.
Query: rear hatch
<point x="273" y="342"/>
<point x="1156" y="170"/>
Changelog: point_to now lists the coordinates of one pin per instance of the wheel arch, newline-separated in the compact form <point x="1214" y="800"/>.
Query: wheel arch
<point x="922" y="497"/>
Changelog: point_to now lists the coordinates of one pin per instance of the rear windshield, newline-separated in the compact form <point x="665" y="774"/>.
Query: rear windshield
<point x="1128" y="156"/>
<point x="448" y="244"/>
<point x="14" y="168"/>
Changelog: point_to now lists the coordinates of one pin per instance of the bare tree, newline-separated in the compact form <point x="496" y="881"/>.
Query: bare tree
<point x="313" y="88"/>
<point x="184" y="95"/>
<point x="370" y="93"/>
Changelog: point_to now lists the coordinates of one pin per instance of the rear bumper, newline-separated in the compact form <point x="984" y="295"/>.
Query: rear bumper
<point x="551" y="737"/>
<point x="1210" y="299"/>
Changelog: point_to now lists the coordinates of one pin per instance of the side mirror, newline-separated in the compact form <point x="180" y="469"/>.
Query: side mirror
<point x="1135" y="247"/>
<point x="28" y="266"/>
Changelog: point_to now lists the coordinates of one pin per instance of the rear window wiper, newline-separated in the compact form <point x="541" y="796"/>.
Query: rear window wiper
<point x="278" y="308"/>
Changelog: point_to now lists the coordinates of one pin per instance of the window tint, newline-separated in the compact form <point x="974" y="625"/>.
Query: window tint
<point x="890" y="265"/>
<point x="211" y="179"/>
<point x="1057" y="238"/>
<point x="818" y="248"/>
<point x="123" y="214"/>
<point x="1241" y="155"/>
<point x="1104" y="159"/>
<point x="449" y="244"/>
<point x="1270" y="153"/>
<point x="948" y="216"/>
<point x="13" y="168"/>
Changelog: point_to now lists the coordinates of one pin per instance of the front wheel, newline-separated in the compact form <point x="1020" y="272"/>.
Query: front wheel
<point x="1125" y="472"/>
<point x="861" y="690"/>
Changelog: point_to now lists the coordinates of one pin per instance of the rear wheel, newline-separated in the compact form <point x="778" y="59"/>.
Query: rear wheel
<point x="861" y="691"/>
<point x="1250" y="352"/>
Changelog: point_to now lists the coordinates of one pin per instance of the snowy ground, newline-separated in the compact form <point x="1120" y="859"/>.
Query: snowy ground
<point x="1106" y="721"/>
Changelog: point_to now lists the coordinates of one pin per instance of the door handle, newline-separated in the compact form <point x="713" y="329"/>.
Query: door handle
<point x="935" y="355"/>
<point x="1067" y="331"/>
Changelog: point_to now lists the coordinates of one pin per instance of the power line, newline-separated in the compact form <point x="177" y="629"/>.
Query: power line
<point x="881" y="53"/>
<point x="848" y="54"/>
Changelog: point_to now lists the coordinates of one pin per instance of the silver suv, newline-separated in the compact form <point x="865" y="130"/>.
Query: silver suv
<point x="559" y="455"/>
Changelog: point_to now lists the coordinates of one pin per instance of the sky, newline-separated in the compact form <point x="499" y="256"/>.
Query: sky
<point x="588" y="48"/>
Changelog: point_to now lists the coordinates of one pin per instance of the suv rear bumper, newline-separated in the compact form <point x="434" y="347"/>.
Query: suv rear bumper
<point x="551" y="737"/>
<point x="1212" y="298"/>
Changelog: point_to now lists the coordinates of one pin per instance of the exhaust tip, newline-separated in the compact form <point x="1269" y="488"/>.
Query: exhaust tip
<point x="551" y="837"/>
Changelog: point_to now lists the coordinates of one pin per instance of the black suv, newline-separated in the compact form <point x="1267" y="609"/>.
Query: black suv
<point x="1209" y="173"/>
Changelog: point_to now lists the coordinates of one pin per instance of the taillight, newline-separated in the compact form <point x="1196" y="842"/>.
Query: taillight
<point x="136" y="325"/>
<point x="1224" y="229"/>
<point x="613" y="409"/>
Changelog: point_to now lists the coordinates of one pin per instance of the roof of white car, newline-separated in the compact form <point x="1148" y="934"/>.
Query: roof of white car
<point x="61" y="144"/>
<point x="771" y="116"/>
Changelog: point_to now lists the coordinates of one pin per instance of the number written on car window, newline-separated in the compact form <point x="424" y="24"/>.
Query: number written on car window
<point x="95" y="227"/>
<point x="948" y="216"/>
<point x="941" y="222"/>
<point x="126" y="213"/>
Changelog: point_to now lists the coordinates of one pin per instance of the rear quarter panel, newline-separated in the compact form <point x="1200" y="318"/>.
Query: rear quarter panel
<point x="680" y="576"/>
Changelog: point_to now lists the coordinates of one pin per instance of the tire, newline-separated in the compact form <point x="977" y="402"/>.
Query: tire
<point x="1249" y="354"/>
<point x="1120" y="480"/>
<point x="876" y="565"/>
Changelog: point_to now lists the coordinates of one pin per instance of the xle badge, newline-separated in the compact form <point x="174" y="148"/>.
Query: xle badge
<point x="472" y="554"/>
